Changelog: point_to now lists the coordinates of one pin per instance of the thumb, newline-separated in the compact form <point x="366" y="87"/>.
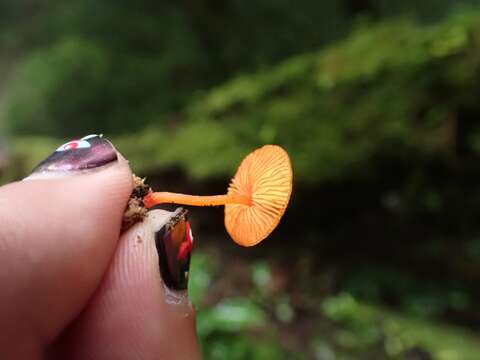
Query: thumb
<point x="141" y="310"/>
<point x="58" y="232"/>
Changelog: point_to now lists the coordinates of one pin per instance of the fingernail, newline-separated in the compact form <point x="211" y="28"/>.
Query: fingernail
<point x="174" y="244"/>
<point x="90" y="152"/>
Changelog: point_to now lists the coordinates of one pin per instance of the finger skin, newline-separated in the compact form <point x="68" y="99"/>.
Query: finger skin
<point x="57" y="237"/>
<point x="130" y="316"/>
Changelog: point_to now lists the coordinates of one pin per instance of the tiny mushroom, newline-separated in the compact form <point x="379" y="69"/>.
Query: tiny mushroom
<point x="256" y="198"/>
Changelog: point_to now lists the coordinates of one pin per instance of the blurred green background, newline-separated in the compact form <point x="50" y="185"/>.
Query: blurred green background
<point x="377" y="102"/>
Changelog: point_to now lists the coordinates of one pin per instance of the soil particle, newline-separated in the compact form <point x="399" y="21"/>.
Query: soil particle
<point x="135" y="211"/>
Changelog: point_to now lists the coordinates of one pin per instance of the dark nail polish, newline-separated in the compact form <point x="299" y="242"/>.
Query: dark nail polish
<point x="87" y="153"/>
<point x="174" y="244"/>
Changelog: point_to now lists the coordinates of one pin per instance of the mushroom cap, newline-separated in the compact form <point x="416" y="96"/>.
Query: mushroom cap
<point x="266" y="176"/>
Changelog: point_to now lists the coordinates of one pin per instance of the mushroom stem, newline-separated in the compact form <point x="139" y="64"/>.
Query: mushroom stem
<point x="156" y="198"/>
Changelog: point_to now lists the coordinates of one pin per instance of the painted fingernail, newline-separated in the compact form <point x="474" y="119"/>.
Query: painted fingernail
<point x="92" y="151"/>
<point x="174" y="242"/>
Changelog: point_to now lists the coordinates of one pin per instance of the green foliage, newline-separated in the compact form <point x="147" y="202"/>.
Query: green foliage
<point x="89" y="66"/>
<point x="230" y="316"/>
<point x="85" y="66"/>
<point x="240" y="327"/>
<point x="338" y="111"/>
<point x="420" y="298"/>
<point x="229" y="328"/>
<point x="364" y="325"/>
<point x="42" y="97"/>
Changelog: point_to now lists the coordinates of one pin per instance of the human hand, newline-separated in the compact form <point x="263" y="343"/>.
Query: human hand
<point x="71" y="286"/>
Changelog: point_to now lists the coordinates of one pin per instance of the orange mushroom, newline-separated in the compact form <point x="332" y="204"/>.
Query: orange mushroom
<point x="256" y="198"/>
